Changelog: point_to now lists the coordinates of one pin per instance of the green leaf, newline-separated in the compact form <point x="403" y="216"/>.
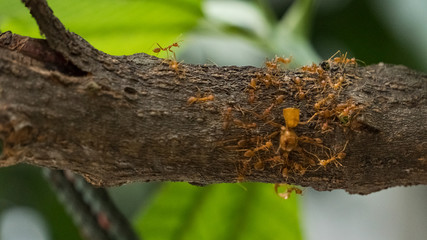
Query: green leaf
<point x="223" y="211"/>
<point x="115" y="27"/>
<point x="16" y="18"/>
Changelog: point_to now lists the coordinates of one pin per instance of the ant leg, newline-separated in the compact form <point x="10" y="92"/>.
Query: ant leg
<point x="311" y="118"/>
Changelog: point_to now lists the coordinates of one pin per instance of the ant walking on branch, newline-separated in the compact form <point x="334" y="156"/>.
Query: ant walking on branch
<point x="173" y="63"/>
<point x="334" y="159"/>
<point x="192" y="100"/>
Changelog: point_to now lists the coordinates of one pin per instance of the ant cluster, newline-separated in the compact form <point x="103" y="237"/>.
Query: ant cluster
<point x="316" y="88"/>
<point x="282" y="149"/>
<point x="271" y="75"/>
<point x="328" y="80"/>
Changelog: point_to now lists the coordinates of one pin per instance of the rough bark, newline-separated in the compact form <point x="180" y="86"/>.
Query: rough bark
<point x="120" y="119"/>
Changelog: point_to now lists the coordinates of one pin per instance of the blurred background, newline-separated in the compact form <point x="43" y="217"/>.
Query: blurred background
<point x="231" y="33"/>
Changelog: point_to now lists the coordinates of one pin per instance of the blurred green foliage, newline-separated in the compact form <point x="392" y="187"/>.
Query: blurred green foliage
<point x="360" y="28"/>
<point x="222" y="211"/>
<point x="115" y="27"/>
<point x="23" y="185"/>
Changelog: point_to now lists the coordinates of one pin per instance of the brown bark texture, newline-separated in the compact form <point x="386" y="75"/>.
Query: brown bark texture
<point x="121" y="119"/>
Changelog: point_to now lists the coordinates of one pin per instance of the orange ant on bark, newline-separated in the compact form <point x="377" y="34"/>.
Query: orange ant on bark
<point x="227" y="117"/>
<point x="297" y="81"/>
<point x="272" y="65"/>
<point x="267" y="79"/>
<point x="345" y="60"/>
<point x="252" y="88"/>
<point x="338" y="84"/>
<point x="301" y="170"/>
<point x="300" y="93"/>
<point x="323" y="101"/>
<point x="275" y="161"/>
<point x="242" y="144"/>
<point x="324" y="114"/>
<point x="289" y="141"/>
<point x="267" y="111"/>
<point x="245" y="142"/>
<point x="342" y="60"/>
<point x="265" y="147"/>
<point x="241" y="124"/>
<point x="253" y="83"/>
<point x="285" y="173"/>
<point x="335" y="159"/>
<point x="345" y="110"/>
<point x="242" y="171"/>
<point x="173" y="63"/>
<point x="288" y="138"/>
<point x="192" y="100"/>
<point x="259" y="165"/>
<point x="313" y="68"/>
<point x="279" y="99"/>
<point x="324" y="83"/>
<point x="251" y="96"/>
<point x="312" y="141"/>
<point x="341" y="81"/>
<point x="326" y="128"/>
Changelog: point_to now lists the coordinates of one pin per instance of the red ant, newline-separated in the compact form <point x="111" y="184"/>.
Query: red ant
<point x="241" y="124"/>
<point x="276" y="160"/>
<point x="340" y="156"/>
<point x="323" y="101"/>
<point x="251" y="96"/>
<point x="167" y="49"/>
<point x="288" y="190"/>
<point x="342" y="59"/>
<point x="242" y="171"/>
<point x="283" y="60"/>
<point x="265" y="147"/>
<point x="192" y="100"/>
<point x="253" y="83"/>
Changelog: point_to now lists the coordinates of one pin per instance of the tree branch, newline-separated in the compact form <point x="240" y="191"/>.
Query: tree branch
<point x="70" y="45"/>
<point x="120" y="119"/>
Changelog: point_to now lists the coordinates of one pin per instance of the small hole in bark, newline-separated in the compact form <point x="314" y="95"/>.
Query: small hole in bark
<point x="130" y="90"/>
